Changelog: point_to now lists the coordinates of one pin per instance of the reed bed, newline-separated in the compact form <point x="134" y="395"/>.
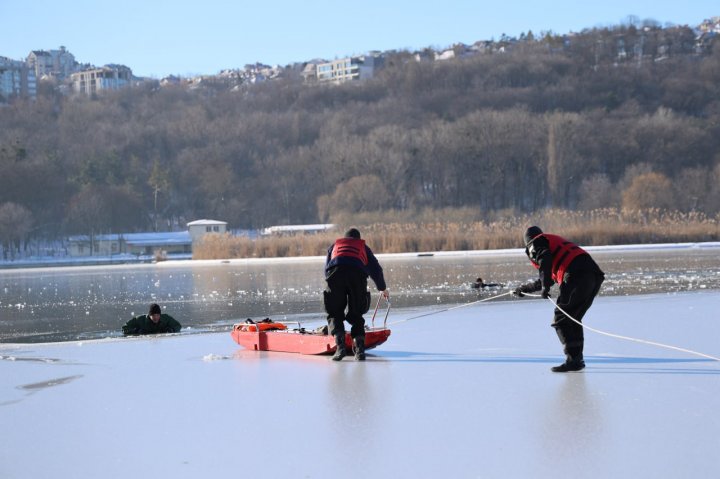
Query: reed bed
<point x="461" y="231"/>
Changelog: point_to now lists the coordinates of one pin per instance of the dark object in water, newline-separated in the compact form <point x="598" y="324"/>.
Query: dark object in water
<point x="480" y="284"/>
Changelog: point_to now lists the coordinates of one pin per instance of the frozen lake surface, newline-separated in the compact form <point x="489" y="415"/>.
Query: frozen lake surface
<point x="70" y="303"/>
<point x="466" y="393"/>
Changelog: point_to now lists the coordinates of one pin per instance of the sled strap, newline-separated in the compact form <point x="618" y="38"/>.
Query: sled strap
<point x="387" y="311"/>
<point x="372" y="322"/>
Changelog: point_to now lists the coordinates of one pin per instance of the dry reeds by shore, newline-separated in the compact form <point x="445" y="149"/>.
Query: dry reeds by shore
<point x="450" y="232"/>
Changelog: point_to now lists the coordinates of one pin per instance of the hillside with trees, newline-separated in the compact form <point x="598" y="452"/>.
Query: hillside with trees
<point x="623" y="117"/>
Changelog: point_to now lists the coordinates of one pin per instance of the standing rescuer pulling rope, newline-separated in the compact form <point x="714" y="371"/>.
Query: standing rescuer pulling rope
<point x="561" y="261"/>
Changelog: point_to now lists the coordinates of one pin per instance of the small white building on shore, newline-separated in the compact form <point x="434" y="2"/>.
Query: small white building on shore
<point x="200" y="228"/>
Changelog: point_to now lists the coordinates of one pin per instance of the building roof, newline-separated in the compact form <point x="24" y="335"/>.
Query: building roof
<point x="147" y="239"/>
<point x="141" y="239"/>
<point x="206" y="223"/>
<point x="297" y="228"/>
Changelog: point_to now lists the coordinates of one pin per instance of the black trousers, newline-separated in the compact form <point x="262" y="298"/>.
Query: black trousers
<point x="577" y="292"/>
<point x="346" y="288"/>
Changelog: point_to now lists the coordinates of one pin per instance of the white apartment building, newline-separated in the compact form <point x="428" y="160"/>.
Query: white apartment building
<point x="348" y="69"/>
<point x="338" y="71"/>
<point x="59" y="64"/>
<point x="96" y="80"/>
<point x="16" y="80"/>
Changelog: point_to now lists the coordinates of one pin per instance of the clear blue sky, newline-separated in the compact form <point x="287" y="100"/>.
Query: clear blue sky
<point x="162" y="37"/>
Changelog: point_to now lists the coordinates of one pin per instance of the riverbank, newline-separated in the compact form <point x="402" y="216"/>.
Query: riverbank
<point x="437" y="231"/>
<point x="428" y="234"/>
<point x="174" y="260"/>
<point x="118" y="259"/>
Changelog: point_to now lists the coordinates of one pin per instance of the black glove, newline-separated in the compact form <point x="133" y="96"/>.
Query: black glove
<point x="527" y="288"/>
<point x="545" y="294"/>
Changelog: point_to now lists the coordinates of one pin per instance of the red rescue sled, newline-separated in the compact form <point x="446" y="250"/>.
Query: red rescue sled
<point x="269" y="336"/>
<point x="300" y="341"/>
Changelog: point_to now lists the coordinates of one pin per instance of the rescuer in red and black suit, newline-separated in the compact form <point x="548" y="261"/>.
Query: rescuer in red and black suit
<point x="561" y="261"/>
<point x="349" y="263"/>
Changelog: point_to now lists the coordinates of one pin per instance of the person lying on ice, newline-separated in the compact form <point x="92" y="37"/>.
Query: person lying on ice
<point x="347" y="266"/>
<point x="152" y="323"/>
<point x="480" y="284"/>
<point x="560" y="261"/>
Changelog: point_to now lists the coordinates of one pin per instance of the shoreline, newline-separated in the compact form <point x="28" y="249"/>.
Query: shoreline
<point x="150" y="262"/>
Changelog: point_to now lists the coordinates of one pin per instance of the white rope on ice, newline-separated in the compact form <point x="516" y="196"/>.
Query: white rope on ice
<point x="450" y="309"/>
<point x="627" y="338"/>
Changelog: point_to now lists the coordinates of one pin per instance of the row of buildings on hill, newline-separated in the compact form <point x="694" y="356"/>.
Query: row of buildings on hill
<point x="20" y="78"/>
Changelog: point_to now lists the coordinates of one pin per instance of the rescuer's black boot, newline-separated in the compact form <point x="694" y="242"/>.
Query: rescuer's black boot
<point x="341" y="351"/>
<point x="359" y="349"/>
<point x="571" y="364"/>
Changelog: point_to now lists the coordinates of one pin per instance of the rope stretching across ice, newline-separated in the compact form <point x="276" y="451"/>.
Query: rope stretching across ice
<point x="627" y="338"/>
<point x="604" y="333"/>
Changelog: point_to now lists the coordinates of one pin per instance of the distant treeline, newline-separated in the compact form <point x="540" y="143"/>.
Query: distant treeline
<point x="619" y="117"/>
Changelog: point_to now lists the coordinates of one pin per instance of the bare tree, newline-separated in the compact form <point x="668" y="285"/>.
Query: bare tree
<point x="159" y="181"/>
<point x="692" y="189"/>
<point x="597" y="191"/>
<point x="713" y="199"/>
<point x="15" y="223"/>
<point x="359" y="194"/>
<point x="650" y="190"/>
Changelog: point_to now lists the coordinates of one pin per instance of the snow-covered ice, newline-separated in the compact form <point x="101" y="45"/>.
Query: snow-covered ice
<point x="465" y="393"/>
